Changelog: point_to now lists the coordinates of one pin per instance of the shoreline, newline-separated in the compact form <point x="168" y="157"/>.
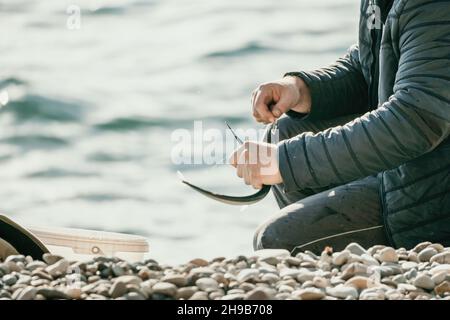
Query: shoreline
<point x="378" y="273"/>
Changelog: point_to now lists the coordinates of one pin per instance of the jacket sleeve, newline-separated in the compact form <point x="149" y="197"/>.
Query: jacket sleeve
<point x="414" y="120"/>
<point x="337" y="90"/>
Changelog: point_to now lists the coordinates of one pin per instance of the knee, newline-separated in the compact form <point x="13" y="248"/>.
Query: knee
<point x="267" y="236"/>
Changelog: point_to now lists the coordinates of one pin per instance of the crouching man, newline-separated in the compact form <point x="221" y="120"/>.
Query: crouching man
<point x="364" y="151"/>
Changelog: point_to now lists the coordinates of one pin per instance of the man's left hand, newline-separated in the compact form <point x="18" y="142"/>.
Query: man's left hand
<point x="257" y="164"/>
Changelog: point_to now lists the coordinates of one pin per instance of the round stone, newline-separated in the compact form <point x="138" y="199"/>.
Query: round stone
<point x="309" y="294"/>
<point x="354" y="269"/>
<point x="439" y="277"/>
<point x="234" y="296"/>
<point x="413" y="256"/>
<point x="406" y="287"/>
<point x="355" y="248"/>
<point x="73" y="293"/>
<point x="426" y="254"/>
<point x="387" y="254"/>
<point x="9" y="279"/>
<point x="51" y="258"/>
<point x="58" y="268"/>
<point x="342" y="292"/>
<point x="118" y="289"/>
<point x="285" y="288"/>
<point x="442" y="258"/>
<point x="320" y="282"/>
<point x="339" y="258"/>
<point x="306" y="275"/>
<point x="207" y="284"/>
<point x="52" y="294"/>
<point x="176" y="279"/>
<point x="199" y="262"/>
<point x="400" y="278"/>
<point x="247" y="274"/>
<point x="440" y="268"/>
<point x="216" y="295"/>
<point x="36" y="265"/>
<point x="439" y="247"/>
<point x="129" y="279"/>
<point x="246" y="286"/>
<point x="288" y="272"/>
<point x="118" y="270"/>
<point x="425" y="282"/>
<point x="359" y="282"/>
<point x="442" y="288"/>
<point x="200" y="295"/>
<point x="186" y="292"/>
<point x="408" y="265"/>
<point x="27" y="293"/>
<point x="270" y="278"/>
<point x="272" y="256"/>
<point x="419" y="247"/>
<point x="292" y="261"/>
<point x="165" y="288"/>
<point x="260" y="294"/>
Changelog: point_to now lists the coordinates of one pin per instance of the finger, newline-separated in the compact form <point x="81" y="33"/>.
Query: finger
<point x="280" y="107"/>
<point x="241" y="169"/>
<point x="252" y="99"/>
<point x="247" y="175"/>
<point x="257" y="186"/>
<point x="233" y="160"/>
<point x="256" y="177"/>
<point x="261" y="106"/>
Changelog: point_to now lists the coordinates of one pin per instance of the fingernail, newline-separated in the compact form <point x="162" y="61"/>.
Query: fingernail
<point x="276" y="113"/>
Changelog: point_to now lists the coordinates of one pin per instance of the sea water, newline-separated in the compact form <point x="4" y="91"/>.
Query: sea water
<point x="91" y="92"/>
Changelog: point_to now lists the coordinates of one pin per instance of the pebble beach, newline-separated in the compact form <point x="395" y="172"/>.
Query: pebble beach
<point x="376" y="273"/>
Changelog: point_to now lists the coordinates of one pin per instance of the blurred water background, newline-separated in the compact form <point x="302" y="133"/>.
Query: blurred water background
<point x="85" y="136"/>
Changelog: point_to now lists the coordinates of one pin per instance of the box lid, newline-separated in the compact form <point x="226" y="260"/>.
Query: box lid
<point x="84" y="241"/>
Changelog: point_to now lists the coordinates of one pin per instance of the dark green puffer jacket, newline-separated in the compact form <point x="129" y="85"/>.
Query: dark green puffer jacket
<point x="399" y="76"/>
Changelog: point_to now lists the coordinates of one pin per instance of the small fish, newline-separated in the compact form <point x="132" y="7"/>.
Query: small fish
<point x="234" y="200"/>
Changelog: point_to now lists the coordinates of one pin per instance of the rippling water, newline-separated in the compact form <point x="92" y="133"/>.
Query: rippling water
<point x="85" y="137"/>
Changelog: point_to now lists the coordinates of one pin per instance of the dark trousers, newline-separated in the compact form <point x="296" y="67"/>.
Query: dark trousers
<point x="312" y="219"/>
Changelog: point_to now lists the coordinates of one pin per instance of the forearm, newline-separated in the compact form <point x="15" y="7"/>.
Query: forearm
<point x="337" y="90"/>
<point x="379" y="140"/>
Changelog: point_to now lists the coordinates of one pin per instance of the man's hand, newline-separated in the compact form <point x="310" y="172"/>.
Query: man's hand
<point x="257" y="164"/>
<point x="270" y="100"/>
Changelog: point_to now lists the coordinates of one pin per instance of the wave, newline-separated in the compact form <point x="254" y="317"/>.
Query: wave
<point x="39" y="108"/>
<point x="59" y="173"/>
<point x="247" y="49"/>
<point x="108" y="197"/>
<point x="11" y="81"/>
<point x="108" y="157"/>
<point x="138" y="123"/>
<point x="30" y="142"/>
<point x="106" y="10"/>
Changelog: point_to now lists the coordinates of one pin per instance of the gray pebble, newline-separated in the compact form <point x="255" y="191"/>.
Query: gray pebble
<point x="165" y="288"/>
<point x="118" y="289"/>
<point x="424" y="281"/>
<point x="9" y="279"/>
<point x="51" y="258"/>
<point x="426" y="254"/>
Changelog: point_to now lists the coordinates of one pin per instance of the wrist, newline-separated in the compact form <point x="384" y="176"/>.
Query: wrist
<point x="303" y="104"/>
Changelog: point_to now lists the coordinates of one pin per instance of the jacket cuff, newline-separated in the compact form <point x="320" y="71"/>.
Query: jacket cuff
<point x="315" y="88"/>
<point x="286" y="168"/>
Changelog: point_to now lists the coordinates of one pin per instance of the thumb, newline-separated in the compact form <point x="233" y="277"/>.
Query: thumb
<point x="280" y="107"/>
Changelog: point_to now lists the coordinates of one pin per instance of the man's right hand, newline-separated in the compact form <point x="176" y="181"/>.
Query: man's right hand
<point x="270" y="100"/>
